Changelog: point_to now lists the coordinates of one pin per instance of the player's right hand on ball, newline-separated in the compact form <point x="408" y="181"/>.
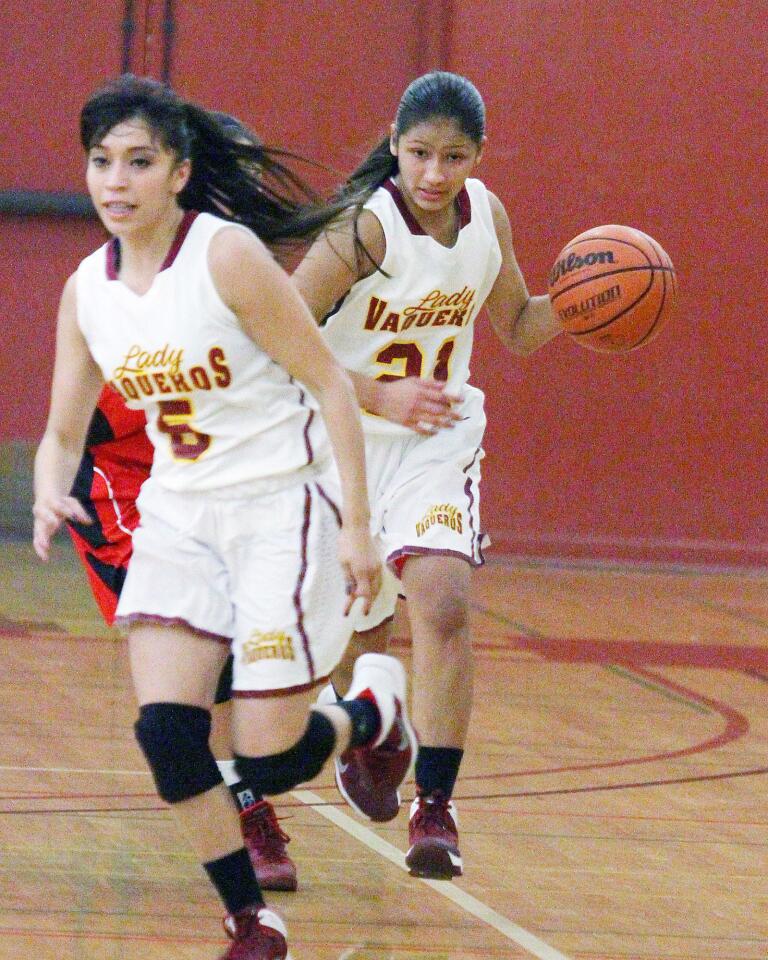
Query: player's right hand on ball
<point x="423" y="405"/>
<point x="49" y="514"/>
<point x="362" y="566"/>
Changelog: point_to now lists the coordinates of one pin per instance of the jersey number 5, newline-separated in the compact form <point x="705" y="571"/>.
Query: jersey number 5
<point x="174" y="419"/>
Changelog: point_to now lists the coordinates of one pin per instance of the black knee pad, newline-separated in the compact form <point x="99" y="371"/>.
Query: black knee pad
<point x="174" y="738"/>
<point x="224" y="689"/>
<point x="280" y="772"/>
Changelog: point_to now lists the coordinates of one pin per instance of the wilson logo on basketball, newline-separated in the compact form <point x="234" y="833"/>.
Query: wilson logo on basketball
<point x="574" y="262"/>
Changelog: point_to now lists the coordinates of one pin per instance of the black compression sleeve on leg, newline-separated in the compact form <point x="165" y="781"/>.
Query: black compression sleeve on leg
<point x="280" y="772"/>
<point x="174" y="738"/>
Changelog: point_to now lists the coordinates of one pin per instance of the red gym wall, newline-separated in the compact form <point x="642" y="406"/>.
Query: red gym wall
<point x="596" y="114"/>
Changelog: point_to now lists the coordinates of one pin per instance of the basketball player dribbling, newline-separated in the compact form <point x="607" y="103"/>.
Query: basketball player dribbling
<point x="240" y="543"/>
<point x="397" y="284"/>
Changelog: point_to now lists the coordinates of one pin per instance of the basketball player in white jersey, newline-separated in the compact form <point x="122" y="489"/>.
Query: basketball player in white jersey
<point x="240" y="543"/>
<point x="397" y="284"/>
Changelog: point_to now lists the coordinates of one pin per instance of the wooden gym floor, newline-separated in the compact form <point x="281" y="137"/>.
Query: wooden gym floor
<point x="613" y="803"/>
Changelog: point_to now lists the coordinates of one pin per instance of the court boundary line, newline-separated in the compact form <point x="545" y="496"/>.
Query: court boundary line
<point x="481" y="911"/>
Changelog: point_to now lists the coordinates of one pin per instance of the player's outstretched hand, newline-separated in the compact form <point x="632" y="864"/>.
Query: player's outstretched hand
<point x="49" y="514"/>
<point x="423" y="405"/>
<point x="362" y="566"/>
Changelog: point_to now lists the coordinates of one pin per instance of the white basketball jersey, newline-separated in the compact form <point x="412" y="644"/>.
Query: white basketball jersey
<point x="219" y="410"/>
<point x="419" y="319"/>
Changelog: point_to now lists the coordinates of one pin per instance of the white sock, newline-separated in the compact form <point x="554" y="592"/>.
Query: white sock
<point x="228" y="773"/>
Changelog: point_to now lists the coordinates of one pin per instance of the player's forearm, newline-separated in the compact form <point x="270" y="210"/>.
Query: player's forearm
<point x="533" y="327"/>
<point x="339" y="406"/>
<point x="367" y="391"/>
<point x="56" y="463"/>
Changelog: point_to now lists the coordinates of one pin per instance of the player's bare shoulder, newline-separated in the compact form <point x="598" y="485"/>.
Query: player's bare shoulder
<point x="237" y="259"/>
<point x="232" y="242"/>
<point x="68" y="300"/>
<point x="372" y="237"/>
<point x="500" y="218"/>
<point x="357" y="238"/>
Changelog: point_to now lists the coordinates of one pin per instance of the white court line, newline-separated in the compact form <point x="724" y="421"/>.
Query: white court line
<point x="523" y="938"/>
<point x="529" y="942"/>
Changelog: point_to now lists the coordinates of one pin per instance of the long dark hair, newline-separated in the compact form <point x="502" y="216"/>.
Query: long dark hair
<point x="234" y="175"/>
<point x="435" y="95"/>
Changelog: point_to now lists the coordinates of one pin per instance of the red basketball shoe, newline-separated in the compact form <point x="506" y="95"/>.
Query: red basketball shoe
<point x="433" y="836"/>
<point x="257" y="934"/>
<point x="368" y="777"/>
<point x="265" y="842"/>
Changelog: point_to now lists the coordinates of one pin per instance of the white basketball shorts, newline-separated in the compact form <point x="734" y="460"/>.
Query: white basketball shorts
<point x="425" y="497"/>
<point x="257" y="570"/>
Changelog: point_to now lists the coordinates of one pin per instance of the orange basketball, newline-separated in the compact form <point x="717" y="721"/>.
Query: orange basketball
<point x="613" y="288"/>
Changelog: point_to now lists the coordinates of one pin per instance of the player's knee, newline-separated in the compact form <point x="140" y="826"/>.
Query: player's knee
<point x="174" y="739"/>
<point x="446" y="615"/>
<point x="280" y="772"/>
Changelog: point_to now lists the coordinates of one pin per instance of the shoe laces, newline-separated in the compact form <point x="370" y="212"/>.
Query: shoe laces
<point x="433" y="815"/>
<point x="238" y="926"/>
<point x="261" y="821"/>
<point x="244" y="927"/>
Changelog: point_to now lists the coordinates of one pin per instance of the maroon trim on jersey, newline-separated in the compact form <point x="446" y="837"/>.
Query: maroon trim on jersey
<point x="300" y="582"/>
<point x="281" y="691"/>
<point x="181" y="235"/>
<point x="463" y="203"/>
<point x="113" y="259"/>
<point x="331" y="504"/>
<point x="307" y="425"/>
<point x="113" y="247"/>
<point x="397" y="558"/>
<point x="465" y="208"/>
<point x="139" y="617"/>
<point x="468" y="490"/>
<point x="307" y="440"/>
<point x="410" y="221"/>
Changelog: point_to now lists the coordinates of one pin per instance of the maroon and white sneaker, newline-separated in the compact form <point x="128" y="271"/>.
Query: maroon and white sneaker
<point x="257" y="934"/>
<point x="433" y="836"/>
<point x="368" y="777"/>
<point x="265" y="842"/>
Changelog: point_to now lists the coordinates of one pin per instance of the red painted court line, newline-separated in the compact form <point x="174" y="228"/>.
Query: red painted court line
<point x="626" y="785"/>
<point x="736" y="726"/>
<point x="39" y="795"/>
<point x="52" y="634"/>
<point x="69" y="810"/>
<point x="625" y="653"/>
<point x="635" y="653"/>
<point x="91" y="935"/>
<point x="296" y="944"/>
<point x="548" y="814"/>
<point x="750" y="659"/>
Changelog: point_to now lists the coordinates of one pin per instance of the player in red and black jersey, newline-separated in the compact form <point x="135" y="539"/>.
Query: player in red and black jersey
<point x="116" y="461"/>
